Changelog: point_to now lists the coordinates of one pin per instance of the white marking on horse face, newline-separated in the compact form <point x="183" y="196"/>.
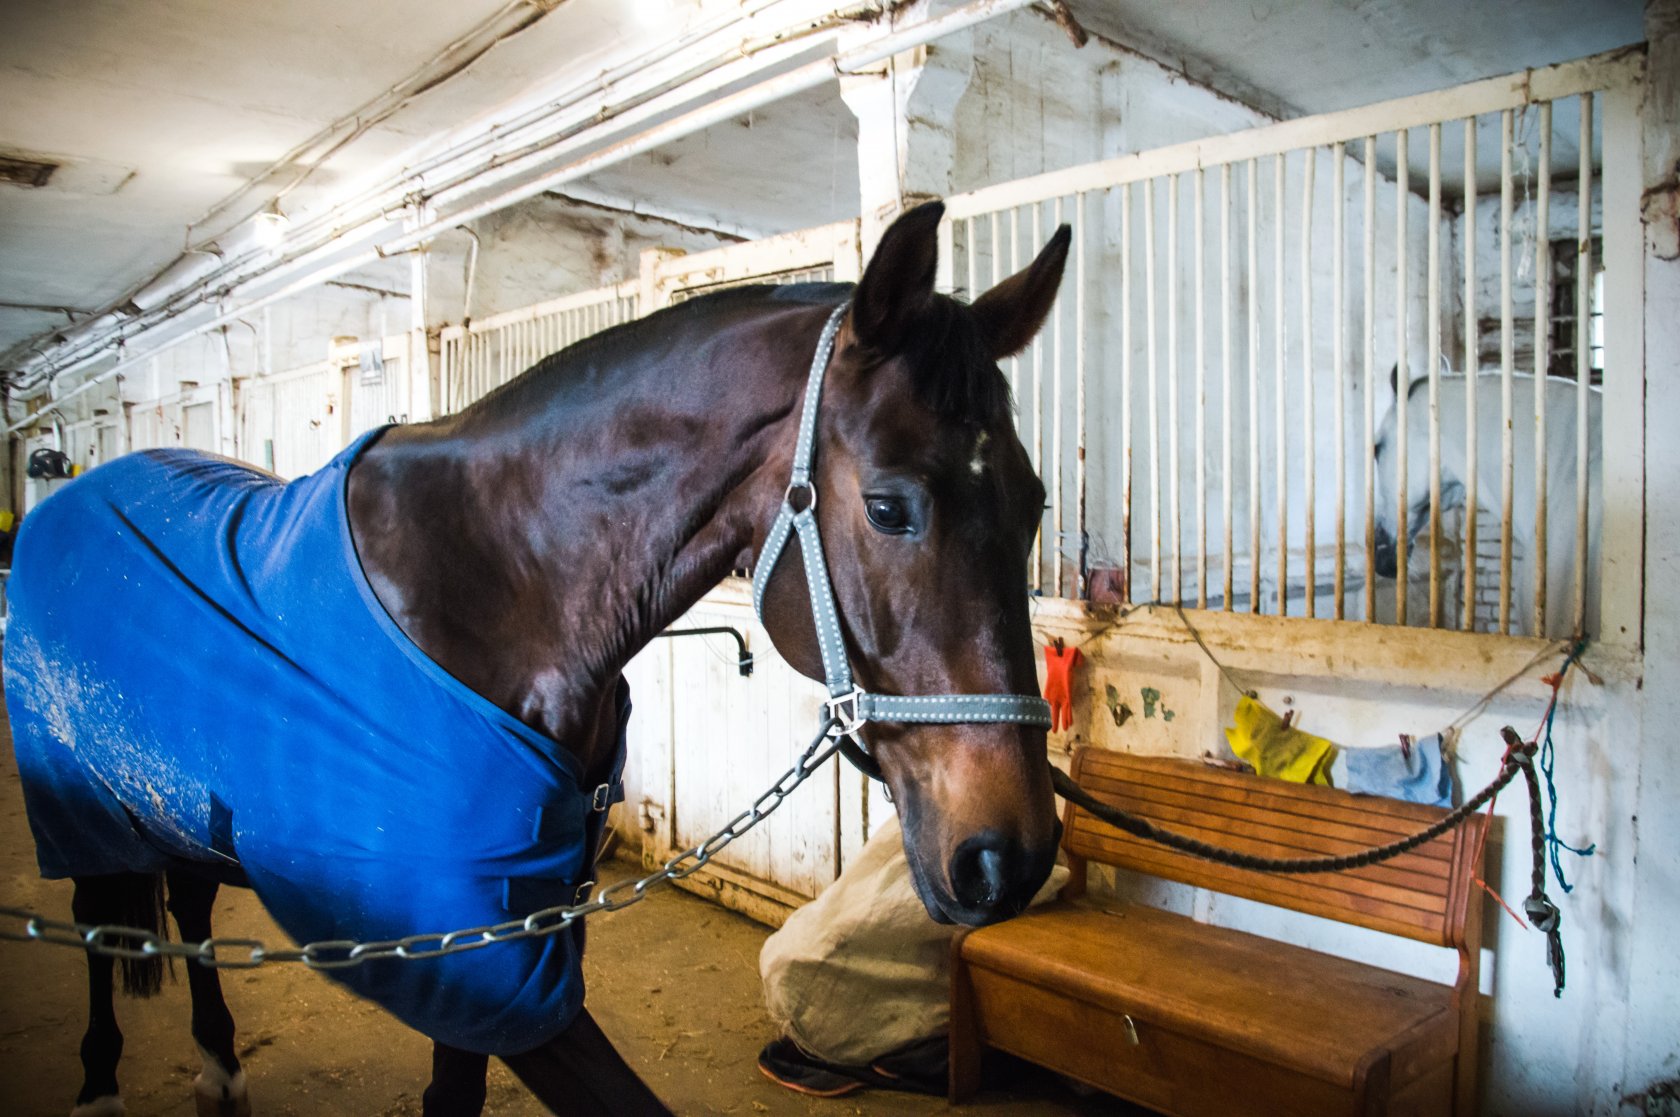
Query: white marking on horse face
<point x="978" y="464"/>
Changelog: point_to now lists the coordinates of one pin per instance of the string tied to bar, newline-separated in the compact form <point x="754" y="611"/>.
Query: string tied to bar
<point x="1548" y="762"/>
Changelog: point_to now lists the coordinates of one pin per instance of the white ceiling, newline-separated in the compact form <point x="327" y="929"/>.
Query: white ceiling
<point x="1298" y="57"/>
<point x="161" y="109"/>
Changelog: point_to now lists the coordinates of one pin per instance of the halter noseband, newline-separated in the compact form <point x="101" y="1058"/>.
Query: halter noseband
<point x="849" y="706"/>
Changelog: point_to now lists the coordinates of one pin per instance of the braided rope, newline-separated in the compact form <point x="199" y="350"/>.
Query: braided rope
<point x="1519" y="758"/>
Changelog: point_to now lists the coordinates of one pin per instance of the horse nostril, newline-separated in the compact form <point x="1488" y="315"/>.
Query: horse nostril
<point x="981" y="870"/>
<point x="1383" y="554"/>
<point x="991" y="875"/>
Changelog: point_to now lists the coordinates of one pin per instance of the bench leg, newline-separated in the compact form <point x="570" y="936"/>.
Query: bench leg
<point x="966" y="1045"/>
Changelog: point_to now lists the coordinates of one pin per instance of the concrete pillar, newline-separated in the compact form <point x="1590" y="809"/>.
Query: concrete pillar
<point x="1652" y="1054"/>
<point x="906" y="114"/>
<point x="423" y="366"/>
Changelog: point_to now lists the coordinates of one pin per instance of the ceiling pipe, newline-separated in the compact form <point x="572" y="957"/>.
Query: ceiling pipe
<point x="724" y="108"/>
<point x="474" y="149"/>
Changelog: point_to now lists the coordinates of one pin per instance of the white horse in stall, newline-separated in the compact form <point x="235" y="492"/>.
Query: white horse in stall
<point x="1481" y="571"/>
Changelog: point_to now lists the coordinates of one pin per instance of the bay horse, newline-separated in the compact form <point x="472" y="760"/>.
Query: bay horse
<point x="381" y="695"/>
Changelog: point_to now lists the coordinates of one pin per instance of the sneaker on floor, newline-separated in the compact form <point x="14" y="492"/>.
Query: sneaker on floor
<point x="783" y="1063"/>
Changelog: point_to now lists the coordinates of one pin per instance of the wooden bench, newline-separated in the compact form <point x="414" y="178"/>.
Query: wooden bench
<point x="1192" y="1019"/>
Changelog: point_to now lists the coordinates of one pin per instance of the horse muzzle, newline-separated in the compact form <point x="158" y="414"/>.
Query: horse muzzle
<point x="1384" y="553"/>
<point x="992" y="877"/>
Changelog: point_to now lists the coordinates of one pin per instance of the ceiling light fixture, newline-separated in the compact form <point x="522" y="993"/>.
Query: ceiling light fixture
<point x="270" y="225"/>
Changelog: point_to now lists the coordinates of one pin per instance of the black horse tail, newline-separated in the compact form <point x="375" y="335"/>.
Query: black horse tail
<point x="141" y="906"/>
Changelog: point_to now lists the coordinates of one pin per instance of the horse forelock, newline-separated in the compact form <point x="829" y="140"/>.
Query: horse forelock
<point x="950" y="370"/>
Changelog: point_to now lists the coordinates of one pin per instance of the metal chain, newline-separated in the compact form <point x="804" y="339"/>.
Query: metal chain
<point x="336" y="954"/>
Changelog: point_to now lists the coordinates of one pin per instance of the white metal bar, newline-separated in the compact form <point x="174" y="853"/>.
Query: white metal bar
<point x="1014" y="264"/>
<point x="1176" y="506"/>
<point x="1583" y="353"/>
<point x="945" y="270"/>
<point x="973" y="259"/>
<point x="1037" y="351"/>
<point x="1370" y="365"/>
<point x="1226" y="503"/>
<point x="1338" y="359"/>
<point x="1126" y="390"/>
<point x="1433" y="333"/>
<point x="1542" y="358"/>
<point x="1472" y="370"/>
<point x="997" y="249"/>
<point x="1402" y="374"/>
<point x="1079" y="329"/>
<point x="1507" y="474"/>
<point x="1613" y="70"/>
<point x="1038" y="459"/>
<point x="1309" y="402"/>
<point x="1154" y="391"/>
<point x="1253" y="285"/>
<point x="1281" y="378"/>
<point x="1201" y="395"/>
<point x="1058" y="446"/>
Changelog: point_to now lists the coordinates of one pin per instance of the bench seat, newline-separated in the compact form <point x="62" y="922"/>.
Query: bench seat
<point x="1193" y="1019"/>
<point x="1196" y="996"/>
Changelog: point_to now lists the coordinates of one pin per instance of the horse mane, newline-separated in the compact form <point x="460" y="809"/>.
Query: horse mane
<point x="950" y="370"/>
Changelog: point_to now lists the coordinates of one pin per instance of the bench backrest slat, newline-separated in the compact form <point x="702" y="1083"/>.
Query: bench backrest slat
<point x="1423" y="894"/>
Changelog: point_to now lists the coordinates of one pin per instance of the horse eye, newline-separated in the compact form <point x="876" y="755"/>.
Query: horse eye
<point x="887" y="515"/>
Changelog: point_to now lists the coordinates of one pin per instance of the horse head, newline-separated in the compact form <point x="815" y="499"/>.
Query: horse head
<point x="928" y="505"/>
<point x="1386" y="518"/>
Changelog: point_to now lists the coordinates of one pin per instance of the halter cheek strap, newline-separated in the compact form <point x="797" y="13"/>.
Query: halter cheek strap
<point x="851" y="707"/>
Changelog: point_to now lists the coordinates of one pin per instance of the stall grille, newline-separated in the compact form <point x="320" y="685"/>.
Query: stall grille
<point x="480" y="356"/>
<point x="1209" y="402"/>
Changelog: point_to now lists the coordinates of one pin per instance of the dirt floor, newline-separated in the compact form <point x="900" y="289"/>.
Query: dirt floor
<point x="674" y="982"/>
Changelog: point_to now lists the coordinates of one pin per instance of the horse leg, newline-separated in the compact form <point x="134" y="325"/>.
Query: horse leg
<point x="219" y="1089"/>
<point x="579" y="1073"/>
<point x="99" y="900"/>
<point x="457" y="1088"/>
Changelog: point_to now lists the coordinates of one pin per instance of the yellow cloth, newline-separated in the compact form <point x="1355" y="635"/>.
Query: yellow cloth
<point x="1273" y="749"/>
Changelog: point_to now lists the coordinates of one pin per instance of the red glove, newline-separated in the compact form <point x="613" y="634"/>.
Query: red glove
<point x="1058" y="691"/>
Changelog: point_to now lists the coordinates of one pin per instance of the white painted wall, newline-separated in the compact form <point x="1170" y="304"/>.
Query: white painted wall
<point x="544" y="248"/>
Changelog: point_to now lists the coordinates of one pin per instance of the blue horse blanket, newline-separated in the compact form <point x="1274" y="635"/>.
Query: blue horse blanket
<point x="198" y="670"/>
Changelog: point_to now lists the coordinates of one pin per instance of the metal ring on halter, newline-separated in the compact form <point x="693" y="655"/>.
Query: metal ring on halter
<point x="810" y="487"/>
<point x="843" y="708"/>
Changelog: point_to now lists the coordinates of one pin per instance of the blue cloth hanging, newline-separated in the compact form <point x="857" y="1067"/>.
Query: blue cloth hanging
<point x="1416" y="772"/>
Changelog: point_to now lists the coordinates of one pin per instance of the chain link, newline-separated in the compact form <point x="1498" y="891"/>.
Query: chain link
<point x="338" y="954"/>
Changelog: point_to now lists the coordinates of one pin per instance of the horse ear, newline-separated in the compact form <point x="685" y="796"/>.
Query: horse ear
<point x="1011" y="313"/>
<point x="897" y="286"/>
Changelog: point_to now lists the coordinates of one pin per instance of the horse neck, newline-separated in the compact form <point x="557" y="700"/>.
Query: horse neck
<point x="534" y="543"/>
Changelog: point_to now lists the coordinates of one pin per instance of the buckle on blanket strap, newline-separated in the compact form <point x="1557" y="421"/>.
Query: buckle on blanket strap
<point x="602" y="798"/>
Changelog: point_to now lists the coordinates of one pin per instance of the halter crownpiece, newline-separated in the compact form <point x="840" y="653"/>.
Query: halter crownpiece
<point x="850" y="707"/>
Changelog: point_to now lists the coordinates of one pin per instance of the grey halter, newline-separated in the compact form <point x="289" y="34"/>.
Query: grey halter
<point x="848" y="706"/>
